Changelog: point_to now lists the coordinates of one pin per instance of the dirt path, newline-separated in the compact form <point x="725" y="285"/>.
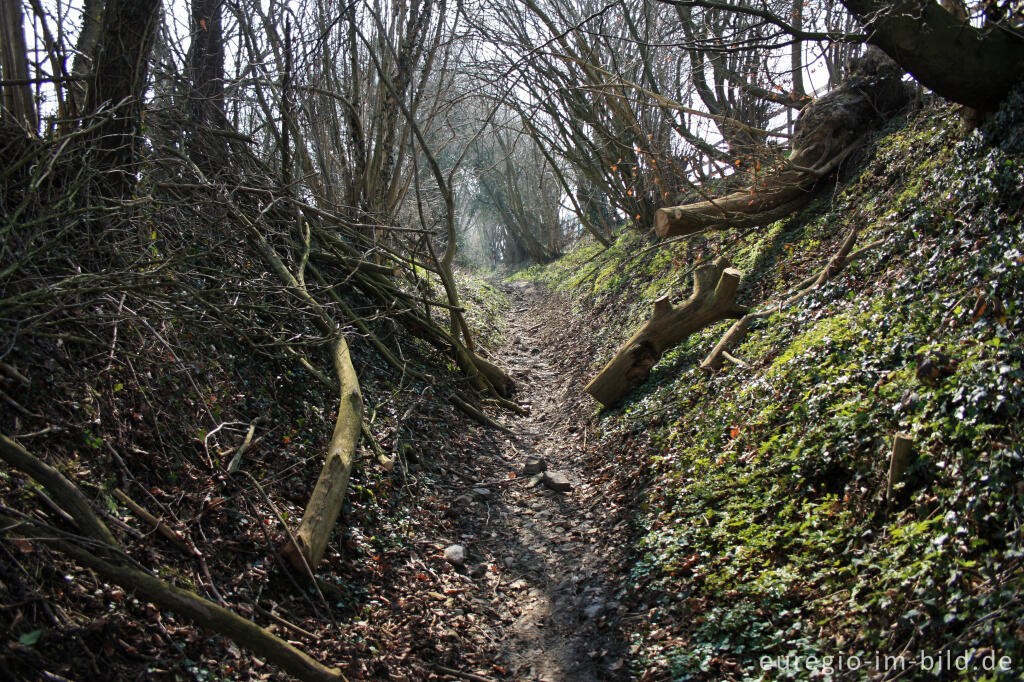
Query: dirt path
<point x="546" y="562"/>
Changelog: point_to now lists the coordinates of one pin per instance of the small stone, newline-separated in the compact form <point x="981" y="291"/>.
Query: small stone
<point x="534" y="481"/>
<point x="455" y="555"/>
<point x="534" y="465"/>
<point x="509" y="561"/>
<point x="482" y="493"/>
<point x="556" y="480"/>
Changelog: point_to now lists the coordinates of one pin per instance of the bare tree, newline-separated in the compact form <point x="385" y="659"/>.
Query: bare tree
<point x="119" y="77"/>
<point x="17" y="92"/>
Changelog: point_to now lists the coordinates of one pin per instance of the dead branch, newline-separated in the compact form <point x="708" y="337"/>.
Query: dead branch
<point x="324" y="506"/>
<point x="477" y="414"/>
<point x="204" y="612"/>
<point x="169" y="533"/>
<point x="236" y="461"/>
<point x="730" y="340"/>
<point x="62" y="491"/>
<point x="387" y="462"/>
<point x="147" y="588"/>
<point x="713" y="299"/>
<point x="738" y="331"/>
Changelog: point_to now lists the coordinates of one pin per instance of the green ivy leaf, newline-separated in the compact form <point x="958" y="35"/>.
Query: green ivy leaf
<point x="30" y="638"/>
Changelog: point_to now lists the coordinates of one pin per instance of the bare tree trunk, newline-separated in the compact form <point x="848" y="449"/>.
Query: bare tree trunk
<point x="119" y="76"/>
<point x="17" y="98"/>
<point x="797" y="51"/>
<point x="205" y="73"/>
<point x="972" y="66"/>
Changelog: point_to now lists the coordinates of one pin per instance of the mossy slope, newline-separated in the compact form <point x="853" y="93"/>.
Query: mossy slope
<point x="766" y="543"/>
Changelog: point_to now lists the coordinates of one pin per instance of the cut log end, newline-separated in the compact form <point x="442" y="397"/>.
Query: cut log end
<point x="662" y="222"/>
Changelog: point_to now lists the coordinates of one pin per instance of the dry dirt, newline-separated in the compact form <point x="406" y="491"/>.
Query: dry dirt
<point x="556" y="583"/>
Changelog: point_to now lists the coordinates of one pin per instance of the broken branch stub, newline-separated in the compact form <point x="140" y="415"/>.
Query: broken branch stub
<point x="713" y="299"/>
<point x="732" y="338"/>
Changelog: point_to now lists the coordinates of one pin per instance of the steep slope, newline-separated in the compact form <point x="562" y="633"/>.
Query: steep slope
<point x="767" y="545"/>
<point x="147" y="344"/>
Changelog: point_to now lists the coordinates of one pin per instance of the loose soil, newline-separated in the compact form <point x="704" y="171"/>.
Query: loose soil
<point x="541" y="595"/>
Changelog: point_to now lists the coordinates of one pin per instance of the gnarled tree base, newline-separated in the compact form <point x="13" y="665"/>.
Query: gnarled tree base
<point x="826" y="132"/>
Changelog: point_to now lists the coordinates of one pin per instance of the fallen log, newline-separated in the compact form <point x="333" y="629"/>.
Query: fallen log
<point x="713" y="299"/>
<point x="65" y="493"/>
<point x="306" y="547"/>
<point x="324" y="506"/>
<point x="187" y="604"/>
<point x="827" y="131"/>
<point x="501" y="381"/>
